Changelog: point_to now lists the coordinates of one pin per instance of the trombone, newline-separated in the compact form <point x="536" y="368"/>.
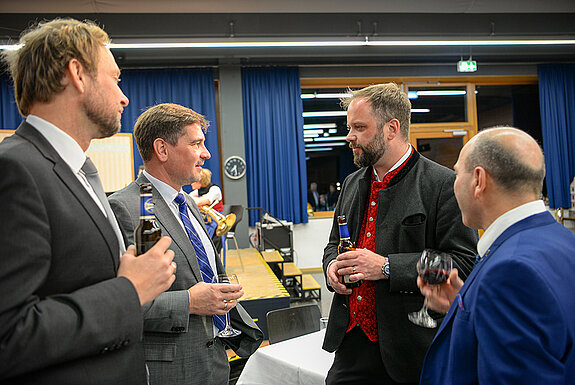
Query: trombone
<point x="225" y="222"/>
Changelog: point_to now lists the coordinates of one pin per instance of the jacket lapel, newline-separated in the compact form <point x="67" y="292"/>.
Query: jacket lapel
<point x="63" y="171"/>
<point x="168" y="222"/>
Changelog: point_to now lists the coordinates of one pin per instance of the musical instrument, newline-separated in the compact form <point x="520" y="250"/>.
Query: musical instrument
<point x="225" y="222"/>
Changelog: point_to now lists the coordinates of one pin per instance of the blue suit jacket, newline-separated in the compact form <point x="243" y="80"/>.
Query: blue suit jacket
<point x="515" y="323"/>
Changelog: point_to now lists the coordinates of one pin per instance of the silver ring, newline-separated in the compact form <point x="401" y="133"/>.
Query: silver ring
<point x="353" y="268"/>
<point x="174" y="266"/>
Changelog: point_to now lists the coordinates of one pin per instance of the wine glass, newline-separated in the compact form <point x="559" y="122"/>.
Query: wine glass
<point x="228" y="331"/>
<point x="433" y="268"/>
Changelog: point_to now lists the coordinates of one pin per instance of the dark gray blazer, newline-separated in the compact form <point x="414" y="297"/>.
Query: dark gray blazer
<point x="416" y="211"/>
<point x="64" y="316"/>
<point x="180" y="347"/>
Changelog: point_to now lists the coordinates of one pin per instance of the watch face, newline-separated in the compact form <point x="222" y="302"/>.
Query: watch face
<point x="235" y="167"/>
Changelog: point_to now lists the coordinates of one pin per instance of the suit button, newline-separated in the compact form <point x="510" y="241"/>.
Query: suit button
<point x="210" y="343"/>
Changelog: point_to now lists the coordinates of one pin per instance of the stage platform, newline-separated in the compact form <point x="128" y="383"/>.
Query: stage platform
<point x="263" y="292"/>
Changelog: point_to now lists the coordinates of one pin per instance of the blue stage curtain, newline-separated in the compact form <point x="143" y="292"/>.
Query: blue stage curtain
<point x="10" y="118"/>
<point x="192" y="88"/>
<point x="275" y="150"/>
<point x="557" y="104"/>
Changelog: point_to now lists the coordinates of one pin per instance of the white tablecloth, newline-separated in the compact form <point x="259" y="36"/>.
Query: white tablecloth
<point x="297" y="361"/>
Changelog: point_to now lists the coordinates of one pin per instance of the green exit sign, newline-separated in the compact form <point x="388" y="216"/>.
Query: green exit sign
<point x="466" y="66"/>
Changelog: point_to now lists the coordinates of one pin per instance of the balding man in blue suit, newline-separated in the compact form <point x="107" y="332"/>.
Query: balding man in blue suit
<point x="513" y="321"/>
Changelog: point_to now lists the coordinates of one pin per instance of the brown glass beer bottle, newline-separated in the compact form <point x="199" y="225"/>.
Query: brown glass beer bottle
<point x="345" y="244"/>
<point x="147" y="233"/>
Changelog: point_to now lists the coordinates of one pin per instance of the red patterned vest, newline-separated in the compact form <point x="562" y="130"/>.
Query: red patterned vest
<point x="362" y="309"/>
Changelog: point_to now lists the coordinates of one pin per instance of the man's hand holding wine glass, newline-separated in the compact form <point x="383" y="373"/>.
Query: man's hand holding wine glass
<point x="214" y="298"/>
<point x="440" y="297"/>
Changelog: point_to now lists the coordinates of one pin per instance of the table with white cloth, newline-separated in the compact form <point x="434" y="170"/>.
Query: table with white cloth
<point x="298" y="361"/>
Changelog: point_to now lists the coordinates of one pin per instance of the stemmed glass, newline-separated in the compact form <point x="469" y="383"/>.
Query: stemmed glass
<point x="433" y="268"/>
<point x="228" y="331"/>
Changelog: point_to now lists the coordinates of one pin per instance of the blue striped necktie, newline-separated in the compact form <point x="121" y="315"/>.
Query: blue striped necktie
<point x="205" y="268"/>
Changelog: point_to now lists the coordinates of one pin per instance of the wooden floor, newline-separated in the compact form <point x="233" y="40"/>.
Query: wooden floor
<point x="254" y="274"/>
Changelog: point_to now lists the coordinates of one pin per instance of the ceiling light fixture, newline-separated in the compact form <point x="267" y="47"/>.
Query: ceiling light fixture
<point x="330" y="138"/>
<point x="318" y="149"/>
<point x="322" y="114"/>
<point x="325" y="96"/>
<point x="313" y="132"/>
<point x="417" y="94"/>
<point x="325" y="43"/>
<point x="341" y="43"/>
<point x="320" y="125"/>
<point x="324" y="144"/>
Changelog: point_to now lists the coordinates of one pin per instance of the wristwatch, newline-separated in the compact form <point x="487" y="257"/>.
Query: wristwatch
<point x="385" y="269"/>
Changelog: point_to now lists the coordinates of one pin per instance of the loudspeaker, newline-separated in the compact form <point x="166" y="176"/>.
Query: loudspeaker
<point x="275" y="237"/>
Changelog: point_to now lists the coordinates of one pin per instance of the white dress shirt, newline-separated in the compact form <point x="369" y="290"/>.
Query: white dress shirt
<point x="169" y="194"/>
<point x="505" y="221"/>
<point x="396" y="165"/>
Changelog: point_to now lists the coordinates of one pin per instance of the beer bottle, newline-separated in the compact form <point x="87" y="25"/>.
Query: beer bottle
<point x="147" y="233"/>
<point x="345" y="244"/>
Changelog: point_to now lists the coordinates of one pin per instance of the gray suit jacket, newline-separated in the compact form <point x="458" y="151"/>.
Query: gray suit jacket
<point x="65" y="318"/>
<point x="180" y="348"/>
<point x="416" y="211"/>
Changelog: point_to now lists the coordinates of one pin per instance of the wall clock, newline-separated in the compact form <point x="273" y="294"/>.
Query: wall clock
<point x="235" y="167"/>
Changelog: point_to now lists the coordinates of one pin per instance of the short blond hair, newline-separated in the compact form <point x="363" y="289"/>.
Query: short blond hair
<point x="37" y="68"/>
<point x="387" y="102"/>
<point x="206" y="177"/>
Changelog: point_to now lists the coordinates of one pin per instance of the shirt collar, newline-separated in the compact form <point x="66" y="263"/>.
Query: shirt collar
<point x="396" y="165"/>
<point x="507" y="220"/>
<point x="68" y="149"/>
<point x="166" y="191"/>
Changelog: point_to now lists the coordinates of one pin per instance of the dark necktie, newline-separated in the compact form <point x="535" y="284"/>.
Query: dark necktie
<point x="205" y="268"/>
<point x="91" y="173"/>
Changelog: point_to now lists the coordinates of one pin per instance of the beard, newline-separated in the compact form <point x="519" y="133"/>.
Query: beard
<point x="99" y="114"/>
<point x="370" y="153"/>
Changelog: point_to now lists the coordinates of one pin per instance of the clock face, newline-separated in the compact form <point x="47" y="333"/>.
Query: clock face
<point x="235" y="167"/>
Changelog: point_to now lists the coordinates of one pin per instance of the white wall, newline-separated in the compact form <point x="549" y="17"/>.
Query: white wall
<point x="309" y="240"/>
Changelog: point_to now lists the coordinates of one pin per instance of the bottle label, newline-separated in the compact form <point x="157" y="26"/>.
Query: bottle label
<point x="343" y="231"/>
<point x="146" y="207"/>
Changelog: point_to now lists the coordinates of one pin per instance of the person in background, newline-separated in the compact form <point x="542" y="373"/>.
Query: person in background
<point x="513" y="321"/>
<point x="313" y="196"/>
<point x="397" y="204"/>
<point x="332" y="196"/>
<point x="71" y="294"/>
<point x="207" y="194"/>
<point x="322" y="202"/>
<point x="181" y="325"/>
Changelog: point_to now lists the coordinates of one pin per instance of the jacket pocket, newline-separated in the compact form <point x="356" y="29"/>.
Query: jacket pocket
<point x="414" y="220"/>
<point x="412" y="233"/>
<point x="159" y="352"/>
